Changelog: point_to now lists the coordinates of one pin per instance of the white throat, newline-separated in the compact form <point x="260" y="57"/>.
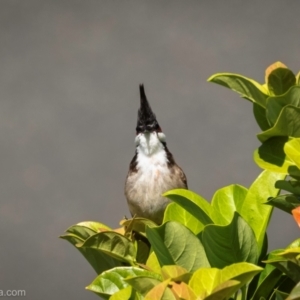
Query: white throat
<point x="150" y="143"/>
<point x="151" y="153"/>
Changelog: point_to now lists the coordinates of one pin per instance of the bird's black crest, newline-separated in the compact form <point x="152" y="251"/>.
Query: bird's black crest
<point x="146" y="118"/>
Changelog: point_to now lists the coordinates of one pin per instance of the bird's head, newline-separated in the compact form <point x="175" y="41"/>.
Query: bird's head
<point x="147" y="127"/>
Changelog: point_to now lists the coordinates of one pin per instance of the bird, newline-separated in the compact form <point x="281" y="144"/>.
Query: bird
<point x="152" y="170"/>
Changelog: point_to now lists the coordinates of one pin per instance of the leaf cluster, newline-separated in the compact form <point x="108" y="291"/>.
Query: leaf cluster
<point x="201" y="251"/>
<point x="276" y="108"/>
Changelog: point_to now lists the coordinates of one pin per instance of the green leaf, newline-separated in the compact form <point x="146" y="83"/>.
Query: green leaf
<point x="298" y="78"/>
<point x="292" y="186"/>
<point x="176" y="273"/>
<point x="291" y="254"/>
<point x="280" y="80"/>
<point x="175" y="212"/>
<point x="124" y="294"/>
<point x="225" y="245"/>
<point x="246" y="87"/>
<point x="280" y="295"/>
<point x="294" y="244"/>
<point x="205" y="280"/>
<point x="271" y="156"/>
<point x="95" y="226"/>
<point x="191" y="202"/>
<point x="113" y="244"/>
<point x="295" y="293"/>
<point x="294" y="172"/>
<point x="289" y="115"/>
<point x="97" y="259"/>
<point x="84" y="230"/>
<point x="160" y="292"/>
<point x="143" y="284"/>
<point x="291" y="269"/>
<point x="183" y="291"/>
<point x="224" y="290"/>
<point x="153" y="263"/>
<point x="112" y="281"/>
<point x="260" y="117"/>
<point x="137" y="224"/>
<point x="286" y="202"/>
<point x="292" y="150"/>
<point x="277" y="103"/>
<point x="174" y="244"/>
<point x="268" y="280"/>
<point x="225" y="202"/>
<point x="211" y="281"/>
<point x="253" y="210"/>
<point x="242" y="272"/>
<point x="142" y="252"/>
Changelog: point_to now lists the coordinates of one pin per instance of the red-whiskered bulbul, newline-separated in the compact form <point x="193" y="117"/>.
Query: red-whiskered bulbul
<point x="153" y="170"/>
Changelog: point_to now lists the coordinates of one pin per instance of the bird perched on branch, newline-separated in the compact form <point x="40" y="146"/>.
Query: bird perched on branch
<point x="152" y="170"/>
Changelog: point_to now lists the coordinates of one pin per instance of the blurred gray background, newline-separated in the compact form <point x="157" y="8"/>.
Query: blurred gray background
<point x="69" y="76"/>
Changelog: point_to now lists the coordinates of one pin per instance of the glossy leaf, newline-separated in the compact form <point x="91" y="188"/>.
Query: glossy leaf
<point x="210" y="281"/>
<point x="143" y="284"/>
<point x="253" y="210"/>
<point x="113" y="244"/>
<point x="246" y="87"/>
<point x="95" y="226"/>
<point x="153" y="263"/>
<point x="268" y="280"/>
<point x="294" y="172"/>
<point x="142" y="251"/>
<point x="225" y="202"/>
<point x="298" y="78"/>
<point x="191" y="202"/>
<point x="205" y="280"/>
<point x="160" y="292"/>
<point x="289" y="115"/>
<point x="295" y="293"/>
<point x="174" y="244"/>
<point x="224" y="290"/>
<point x="176" y="273"/>
<point x="271" y="156"/>
<point x="292" y="150"/>
<point x="272" y="67"/>
<point x="112" y="281"/>
<point x="291" y="254"/>
<point x="242" y="272"/>
<point x="124" y="294"/>
<point x="280" y="80"/>
<point x="292" y="186"/>
<point x="84" y="230"/>
<point x="286" y="202"/>
<point x="276" y="103"/>
<point x="291" y="269"/>
<point x="183" y="291"/>
<point x="260" y="117"/>
<point x="175" y="212"/>
<point x="294" y="244"/>
<point x="97" y="259"/>
<point x="280" y="295"/>
<point x="137" y="224"/>
<point x="225" y="245"/>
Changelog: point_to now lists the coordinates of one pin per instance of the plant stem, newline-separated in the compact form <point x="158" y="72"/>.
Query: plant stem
<point x="244" y="292"/>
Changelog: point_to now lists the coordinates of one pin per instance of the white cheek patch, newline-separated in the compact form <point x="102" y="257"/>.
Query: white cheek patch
<point x="161" y="137"/>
